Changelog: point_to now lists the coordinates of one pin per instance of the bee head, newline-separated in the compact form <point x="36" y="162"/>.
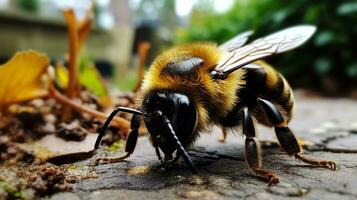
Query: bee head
<point x="181" y="115"/>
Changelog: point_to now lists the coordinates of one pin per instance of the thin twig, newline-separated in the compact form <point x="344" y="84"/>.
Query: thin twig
<point x="119" y="122"/>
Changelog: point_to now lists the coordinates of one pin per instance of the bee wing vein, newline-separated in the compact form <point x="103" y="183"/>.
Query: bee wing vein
<point x="275" y="43"/>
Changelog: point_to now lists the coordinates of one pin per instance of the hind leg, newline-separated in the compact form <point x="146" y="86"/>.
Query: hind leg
<point x="287" y="139"/>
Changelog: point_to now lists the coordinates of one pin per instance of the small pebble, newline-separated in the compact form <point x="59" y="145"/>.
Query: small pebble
<point x="318" y="131"/>
<point x="197" y="180"/>
<point x="329" y="125"/>
<point x="139" y="170"/>
<point x="203" y="194"/>
<point x="287" y="189"/>
<point x="50" y="118"/>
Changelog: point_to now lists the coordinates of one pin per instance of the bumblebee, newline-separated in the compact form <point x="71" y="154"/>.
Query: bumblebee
<point x="192" y="87"/>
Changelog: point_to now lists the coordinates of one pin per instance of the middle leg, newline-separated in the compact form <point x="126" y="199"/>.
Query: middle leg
<point x="252" y="151"/>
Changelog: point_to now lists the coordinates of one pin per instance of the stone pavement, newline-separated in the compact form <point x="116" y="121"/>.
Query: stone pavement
<point x="329" y="126"/>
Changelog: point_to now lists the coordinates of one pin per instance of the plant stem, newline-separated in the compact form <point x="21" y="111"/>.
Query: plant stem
<point x="143" y="50"/>
<point x="119" y="122"/>
<point x="72" y="90"/>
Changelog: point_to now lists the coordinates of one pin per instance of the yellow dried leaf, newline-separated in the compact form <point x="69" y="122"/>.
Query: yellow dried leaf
<point x="21" y="77"/>
<point x="61" y="76"/>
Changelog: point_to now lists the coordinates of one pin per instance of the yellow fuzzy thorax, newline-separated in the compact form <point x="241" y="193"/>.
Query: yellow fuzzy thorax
<point x="213" y="98"/>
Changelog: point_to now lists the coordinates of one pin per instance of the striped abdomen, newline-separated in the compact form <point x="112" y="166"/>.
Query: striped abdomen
<point x="262" y="81"/>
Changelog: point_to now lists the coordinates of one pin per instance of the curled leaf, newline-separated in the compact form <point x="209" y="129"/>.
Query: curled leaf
<point x="22" y="78"/>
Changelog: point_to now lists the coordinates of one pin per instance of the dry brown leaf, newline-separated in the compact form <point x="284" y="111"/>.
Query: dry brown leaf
<point x="21" y="77"/>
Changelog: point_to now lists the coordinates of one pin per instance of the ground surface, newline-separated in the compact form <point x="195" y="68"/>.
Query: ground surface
<point x="330" y="124"/>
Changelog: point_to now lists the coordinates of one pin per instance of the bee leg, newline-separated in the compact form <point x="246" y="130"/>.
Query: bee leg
<point x="224" y="135"/>
<point x="252" y="151"/>
<point x="169" y="164"/>
<point x="169" y="130"/>
<point x="286" y="137"/>
<point x="157" y="151"/>
<point x="129" y="145"/>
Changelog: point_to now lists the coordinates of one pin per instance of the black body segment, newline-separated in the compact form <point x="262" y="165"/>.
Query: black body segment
<point x="132" y="138"/>
<point x="135" y="122"/>
<point x="272" y="112"/>
<point x="182" y="66"/>
<point x="255" y="78"/>
<point x="181" y="112"/>
<point x="179" y="146"/>
<point x="287" y="140"/>
<point x="109" y="119"/>
<point x="248" y="125"/>
<point x="233" y="118"/>
<point x="264" y="82"/>
<point x="252" y="153"/>
<point x="131" y="141"/>
<point x="171" y="120"/>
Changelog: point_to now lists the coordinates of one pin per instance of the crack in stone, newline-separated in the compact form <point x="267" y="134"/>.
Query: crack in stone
<point x="332" y="138"/>
<point x="349" y="166"/>
<point x="324" y="148"/>
<point x="338" y="192"/>
<point x="218" y="155"/>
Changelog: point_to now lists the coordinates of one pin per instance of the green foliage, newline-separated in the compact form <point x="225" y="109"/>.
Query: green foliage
<point x="329" y="54"/>
<point x="126" y="81"/>
<point x="90" y="78"/>
<point x="28" y="5"/>
<point x="12" y="191"/>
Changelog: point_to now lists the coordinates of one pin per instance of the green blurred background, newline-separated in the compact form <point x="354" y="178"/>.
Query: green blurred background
<point x="327" y="63"/>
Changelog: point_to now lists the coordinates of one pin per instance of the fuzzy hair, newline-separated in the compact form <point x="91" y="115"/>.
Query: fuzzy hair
<point x="213" y="98"/>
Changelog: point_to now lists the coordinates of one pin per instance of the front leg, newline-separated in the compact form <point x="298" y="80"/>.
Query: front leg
<point x="252" y="151"/>
<point x="129" y="145"/>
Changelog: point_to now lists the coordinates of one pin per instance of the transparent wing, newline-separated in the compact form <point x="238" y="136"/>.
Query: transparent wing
<point x="275" y="43"/>
<point x="235" y="42"/>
